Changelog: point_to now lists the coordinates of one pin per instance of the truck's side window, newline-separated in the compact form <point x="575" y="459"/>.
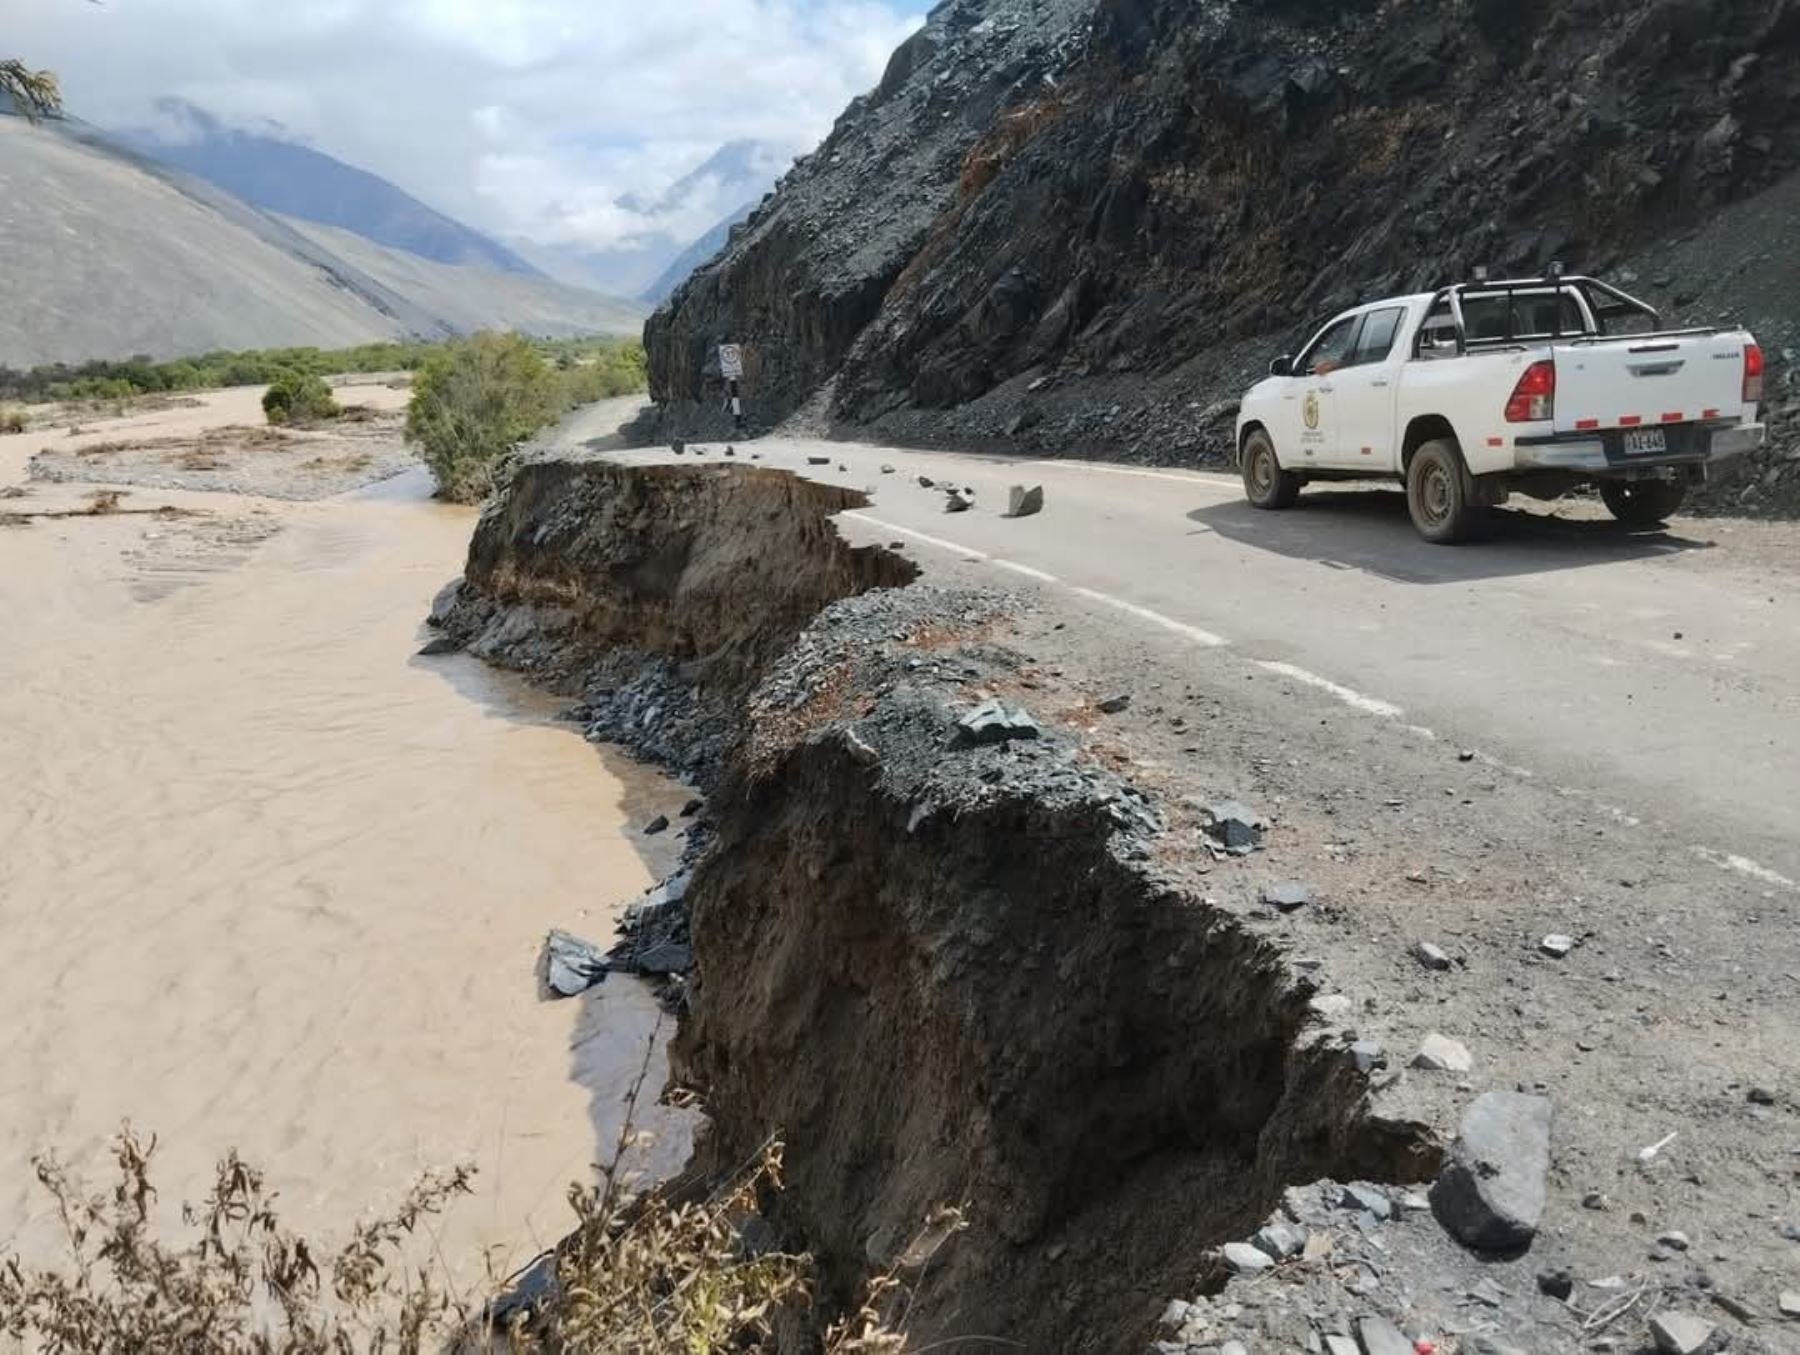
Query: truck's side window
<point x="1380" y="328"/>
<point x="1437" y="336"/>
<point x="1331" y="350"/>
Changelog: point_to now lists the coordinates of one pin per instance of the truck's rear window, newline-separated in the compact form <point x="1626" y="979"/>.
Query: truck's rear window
<point x="1533" y="315"/>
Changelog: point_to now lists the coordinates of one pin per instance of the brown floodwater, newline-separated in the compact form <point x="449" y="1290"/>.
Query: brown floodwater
<point x="269" y="881"/>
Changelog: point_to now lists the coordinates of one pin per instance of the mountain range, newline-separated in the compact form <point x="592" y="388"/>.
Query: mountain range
<point x="107" y="252"/>
<point x="673" y="231"/>
<point x="269" y="170"/>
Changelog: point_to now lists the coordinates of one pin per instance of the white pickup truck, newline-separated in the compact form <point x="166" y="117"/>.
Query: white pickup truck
<point x="1479" y="391"/>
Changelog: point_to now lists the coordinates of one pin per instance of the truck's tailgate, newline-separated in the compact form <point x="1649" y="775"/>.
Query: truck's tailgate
<point x="1649" y="380"/>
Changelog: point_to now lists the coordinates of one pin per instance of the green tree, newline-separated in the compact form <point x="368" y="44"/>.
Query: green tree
<point x="33" y="93"/>
<point x="473" y="402"/>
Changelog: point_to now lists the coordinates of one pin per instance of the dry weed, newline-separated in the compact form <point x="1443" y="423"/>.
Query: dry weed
<point x="240" y="1283"/>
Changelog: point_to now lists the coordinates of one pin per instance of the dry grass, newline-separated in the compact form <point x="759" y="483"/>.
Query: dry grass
<point x="12" y="420"/>
<point x="238" y="1282"/>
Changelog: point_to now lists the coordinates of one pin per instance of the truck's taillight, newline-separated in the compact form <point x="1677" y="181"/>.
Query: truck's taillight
<point x="1753" y="374"/>
<point x="1534" y="398"/>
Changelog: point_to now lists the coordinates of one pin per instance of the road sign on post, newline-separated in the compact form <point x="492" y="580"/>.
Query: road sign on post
<point x="731" y="362"/>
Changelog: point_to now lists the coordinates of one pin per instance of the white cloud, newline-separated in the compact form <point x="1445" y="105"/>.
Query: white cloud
<point x="524" y="117"/>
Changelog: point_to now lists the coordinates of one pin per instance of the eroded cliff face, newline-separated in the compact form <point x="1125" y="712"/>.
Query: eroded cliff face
<point x="714" y="569"/>
<point x="1137" y="199"/>
<point x="942" y="985"/>
<point x="942" y="972"/>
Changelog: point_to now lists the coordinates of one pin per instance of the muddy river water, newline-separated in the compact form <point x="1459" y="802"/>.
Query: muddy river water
<point x="269" y="881"/>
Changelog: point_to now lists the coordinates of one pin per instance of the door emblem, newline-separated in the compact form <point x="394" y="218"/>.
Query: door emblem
<point x="1310" y="410"/>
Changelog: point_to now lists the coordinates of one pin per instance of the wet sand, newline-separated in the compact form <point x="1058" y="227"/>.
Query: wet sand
<point x="270" y="881"/>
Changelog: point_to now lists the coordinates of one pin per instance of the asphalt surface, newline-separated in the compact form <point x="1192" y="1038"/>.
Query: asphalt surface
<point x="1655" y="675"/>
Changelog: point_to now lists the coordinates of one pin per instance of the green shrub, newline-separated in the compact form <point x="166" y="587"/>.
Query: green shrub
<point x="473" y="402"/>
<point x="299" y="397"/>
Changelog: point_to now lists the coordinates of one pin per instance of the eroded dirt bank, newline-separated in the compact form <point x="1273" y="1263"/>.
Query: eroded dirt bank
<point x="944" y="973"/>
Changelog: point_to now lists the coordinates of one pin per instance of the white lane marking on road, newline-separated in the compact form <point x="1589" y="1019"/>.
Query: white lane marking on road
<point x="1026" y="570"/>
<point x="1744" y="866"/>
<point x="1195" y="478"/>
<point x="1169" y="623"/>
<point x="937" y="541"/>
<point x="1354" y="699"/>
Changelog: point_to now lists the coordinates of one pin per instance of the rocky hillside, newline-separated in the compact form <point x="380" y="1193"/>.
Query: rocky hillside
<point x="1085" y="224"/>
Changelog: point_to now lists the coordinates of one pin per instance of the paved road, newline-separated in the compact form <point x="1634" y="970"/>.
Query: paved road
<point x="1658" y="675"/>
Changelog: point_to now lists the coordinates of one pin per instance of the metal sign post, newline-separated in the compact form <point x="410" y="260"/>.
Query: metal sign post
<point x="731" y="368"/>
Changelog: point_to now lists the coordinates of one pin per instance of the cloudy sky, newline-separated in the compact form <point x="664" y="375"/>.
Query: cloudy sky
<point x="523" y="117"/>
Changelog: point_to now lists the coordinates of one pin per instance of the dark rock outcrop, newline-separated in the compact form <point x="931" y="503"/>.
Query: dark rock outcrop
<point x="1080" y="223"/>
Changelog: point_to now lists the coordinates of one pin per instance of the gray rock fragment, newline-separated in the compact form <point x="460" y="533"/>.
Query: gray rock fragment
<point x="1491" y="1194"/>
<point x="1245" y="1259"/>
<point x="1366" y="1199"/>
<point x="1677" y="1333"/>
<point x="1339" y="1344"/>
<point x="1675" y="1240"/>
<point x="926" y="482"/>
<point x="1234" y="826"/>
<point x="1024" y="502"/>
<point x="669" y="957"/>
<point x="1790" y="1303"/>
<point x="1556" y="945"/>
<point x="445" y="602"/>
<point x="659" y="824"/>
<point x="1440" y="1054"/>
<point x="993" y="721"/>
<point x="1114" y="705"/>
<point x="443" y="644"/>
<point x="1381" y="1337"/>
<point x="1279" y="1240"/>
<point x="956" y="503"/>
<point x="818" y="461"/>
<point x="887" y="470"/>
<point x="569" y="966"/>
<point x="1431" y="957"/>
<point x="1368" y="1056"/>
<point x="1287" y="896"/>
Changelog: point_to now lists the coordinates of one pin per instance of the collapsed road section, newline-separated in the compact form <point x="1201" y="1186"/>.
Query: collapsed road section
<point x="973" y="928"/>
<point x="932" y="952"/>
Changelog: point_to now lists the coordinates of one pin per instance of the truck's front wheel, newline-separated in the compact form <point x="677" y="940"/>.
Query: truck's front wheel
<point x="1266" y="484"/>
<point x="1437" y="494"/>
<point x="1642" y="503"/>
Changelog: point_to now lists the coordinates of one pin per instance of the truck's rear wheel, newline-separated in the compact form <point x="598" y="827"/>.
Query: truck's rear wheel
<point x="1643" y="503"/>
<point x="1266" y="484"/>
<point x="1437" y="494"/>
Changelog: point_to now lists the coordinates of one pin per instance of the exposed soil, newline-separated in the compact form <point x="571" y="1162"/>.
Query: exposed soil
<point x="1021" y="978"/>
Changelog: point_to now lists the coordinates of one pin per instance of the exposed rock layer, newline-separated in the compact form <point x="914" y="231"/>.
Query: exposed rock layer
<point x="1077" y="224"/>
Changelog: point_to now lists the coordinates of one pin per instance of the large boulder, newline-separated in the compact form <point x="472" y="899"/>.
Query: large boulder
<point x="1491" y="1194"/>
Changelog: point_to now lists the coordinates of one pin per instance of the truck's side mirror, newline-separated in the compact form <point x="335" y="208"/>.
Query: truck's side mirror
<point x="1282" y="366"/>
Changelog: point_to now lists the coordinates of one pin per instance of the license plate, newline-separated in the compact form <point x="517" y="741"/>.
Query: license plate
<point x="1646" y="441"/>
